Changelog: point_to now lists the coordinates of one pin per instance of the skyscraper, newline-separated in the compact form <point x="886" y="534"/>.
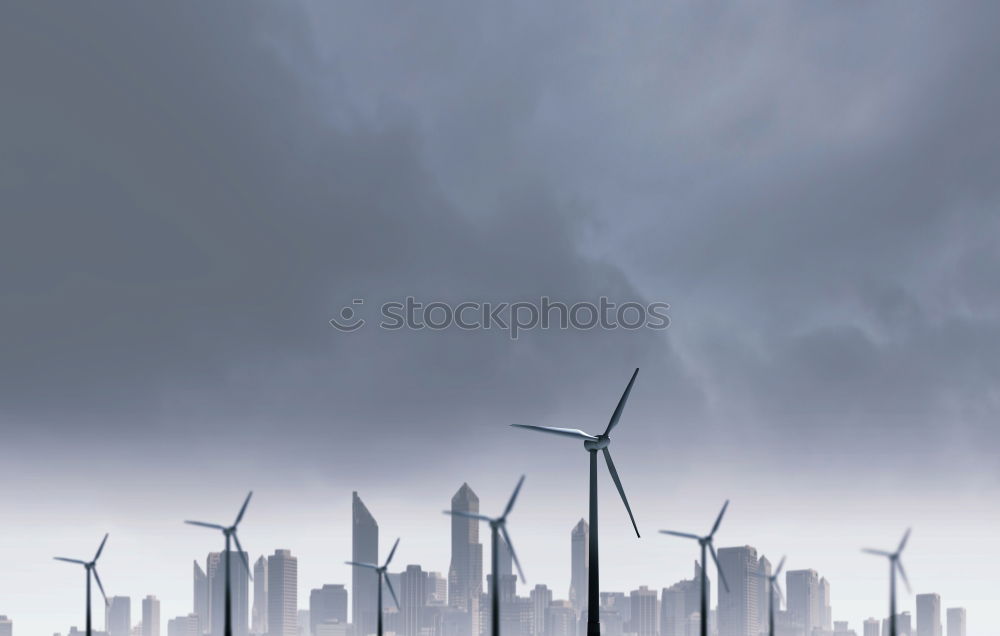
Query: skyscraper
<point x="364" y="582"/>
<point x="118" y="616"/>
<point x="239" y="581"/>
<point x="438" y="586"/>
<point x="258" y="615"/>
<point x="680" y="602"/>
<point x="871" y="627"/>
<point x="956" y="621"/>
<point x="465" y="573"/>
<point x="561" y="619"/>
<point x="183" y="626"/>
<point x="645" y="615"/>
<point x="762" y="592"/>
<point x="150" y="616"/>
<point x="201" y="604"/>
<point x="541" y="599"/>
<point x="328" y="603"/>
<point x="928" y="615"/>
<point x="579" y="565"/>
<point x="413" y="593"/>
<point x="803" y="599"/>
<point x="282" y="594"/>
<point x="825" y="611"/>
<point x="738" y="610"/>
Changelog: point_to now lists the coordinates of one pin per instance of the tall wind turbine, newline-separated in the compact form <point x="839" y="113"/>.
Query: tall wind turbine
<point x="498" y="526"/>
<point x="381" y="571"/>
<point x="90" y="567"/>
<point x="594" y="443"/>
<point x="772" y="587"/>
<point x="230" y="533"/>
<point x="894" y="564"/>
<point x="706" y="545"/>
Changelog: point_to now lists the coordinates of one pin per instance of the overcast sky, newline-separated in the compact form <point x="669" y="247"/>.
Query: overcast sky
<point x="192" y="190"/>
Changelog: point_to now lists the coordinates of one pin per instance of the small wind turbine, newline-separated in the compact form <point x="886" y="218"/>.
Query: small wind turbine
<point x="772" y="587"/>
<point x="498" y="526"/>
<point x="706" y="545"/>
<point x="230" y="533"/>
<point x="90" y="567"/>
<point x="894" y="564"/>
<point x="381" y="571"/>
<point x="594" y="443"/>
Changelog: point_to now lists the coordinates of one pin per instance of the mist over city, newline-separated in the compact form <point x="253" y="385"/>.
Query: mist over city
<point x="728" y="271"/>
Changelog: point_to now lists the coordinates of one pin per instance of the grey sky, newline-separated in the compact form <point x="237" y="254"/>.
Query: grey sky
<point x="191" y="191"/>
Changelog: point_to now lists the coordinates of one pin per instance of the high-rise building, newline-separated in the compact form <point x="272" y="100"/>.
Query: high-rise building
<point x="541" y="599"/>
<point x="956" y="621"/>
<point x="239" y="581"/>
<point x="258" y="613"/>
<point x="184" y="626"/>
<point x="738" y="609"/>
<point x="645" y="614"/>
<point x="201" y="604"/>
<point x="825" y="611"/>
<point x="282" y="594"/>
<point x="437" y="583"/>
<point x="413" y="593"/>
<point x="561" y="619"/>
<point x="364" y="582"/>
<point x="763" y="592"/>
<point x="302" y="623"/>
<point x="579" y="565"/>
<point x="904" y="625"/>
<point x="871" y="627"/>
<point x="680" y="602"/>
<point x="118" y="616"/>
<point x="326" y="604"/>
<point x="6" y="626"/>
<point x="465" y="573"/>
<point x="928" y="615"/>
<point x="150" y="616"/>
<point x="802" y="587"/>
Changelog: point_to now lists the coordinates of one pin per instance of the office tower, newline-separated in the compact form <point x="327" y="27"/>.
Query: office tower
<point x="258" y="613"/>
<point x="579" y="564"/>
<point x="184" y="626"/>
<point x="465" y="573"/>
<point x="437" y="585"/>
<point x="413" y="594"/>
<point x="150" y="616"/>
<point x="645" y="612"/>
<point x="956" y="621"/>
<point x="679" y="602"/>
<point x="118" y="616"/>
<point x="508" y="581"/>
<point x="904" y="625"/>
<point x="328" y="603"/>
<point x="739" y="607"/>
<point x="825" y="611"/>
<point x="840" y="628"/>
<point x="239" y="581"/>
<point x="6" y="626"/>
<point x="364" y="582"/>
<point x="303" y="624"/>
<point x="802" y="587"/>
<point x="928" y="615"/>
<point x="561" y="619"/>
<point x="201" y="605"/>
<point x="762" y="592"/>
<point x="282" y="594"/>
<point x="541" y="599"/>
<point x="871" y="627"/>
<point x="616" y="602"/>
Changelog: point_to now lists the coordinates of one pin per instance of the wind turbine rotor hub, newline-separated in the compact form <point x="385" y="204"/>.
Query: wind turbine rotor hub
<point x="597" y="444"/>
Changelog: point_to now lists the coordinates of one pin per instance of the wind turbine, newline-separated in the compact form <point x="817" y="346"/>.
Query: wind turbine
<point x="894" y="564"/>
<point x="90" y="567"/>
<point x="381" y="571"/>
<point x="594" y="443"/>
<point x="230" y="533"/>
<point x="706" y="545"/>
<point x="498" y="526"/>
<point x="773" y="587"/>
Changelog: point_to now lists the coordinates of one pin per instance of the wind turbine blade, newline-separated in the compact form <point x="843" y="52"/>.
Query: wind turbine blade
<point x="902" y="573"/>
<point x="718" y="568"/>
<point x="881" y="553"/>
<point x="718" y="520"/>
<point x="388" y="584"/>
<point x="77" y="561"/>
<point x="243" y="555"/>
<point x="686" y="535"/>
<point x="467" y="515"/>
<point x="243" y="509"/>
<point x="100" y="548"/>
<point x="902" y="544"/>
<point x="618" y="482"/>
<point x="513" y="497"/>
<point x="781" y="566"/>
<point x="513" y="555"/>
<point x="214" y="526"/>
<point x="621" y="404"/>
<point x="97" y="578"/>
<point x="391" y="553"/>
<point x="781" y="597"/>
<point x="371" y="566"/>
<point x="568" y="432"/>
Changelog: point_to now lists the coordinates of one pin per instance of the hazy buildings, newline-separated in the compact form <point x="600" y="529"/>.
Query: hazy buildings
<point x="541" y="599"/>
<point x="258" y="613"/>
<point x="239" y="581"/>
<point x="645" y="614"/>
<point x="282" y="594"/>
<point x="6" y="626"/>
<point x="465" y="573"/>
<point x="184" y="626"/>
<point x="579" y="565"/>
<point x="437" y="585"/>
<point x="201" y="605"/>
<point x="871" y="627"/>
<point x="118" y="616"/>
<point x="561" y="619"/>
<point x="825" y="611"/>
<point x="956" y="621"/>
<point x="904" y="625"/>
<point x="364" y="582"/>
<point x="413" y="594"/>
<point x="738" y="609"/>
<point x="802" y="588"/>
<point x="928" y="615"/>
<point x="150" y="616"/>
<point x="327" y="604"/>
<point x="679" y="602"/>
